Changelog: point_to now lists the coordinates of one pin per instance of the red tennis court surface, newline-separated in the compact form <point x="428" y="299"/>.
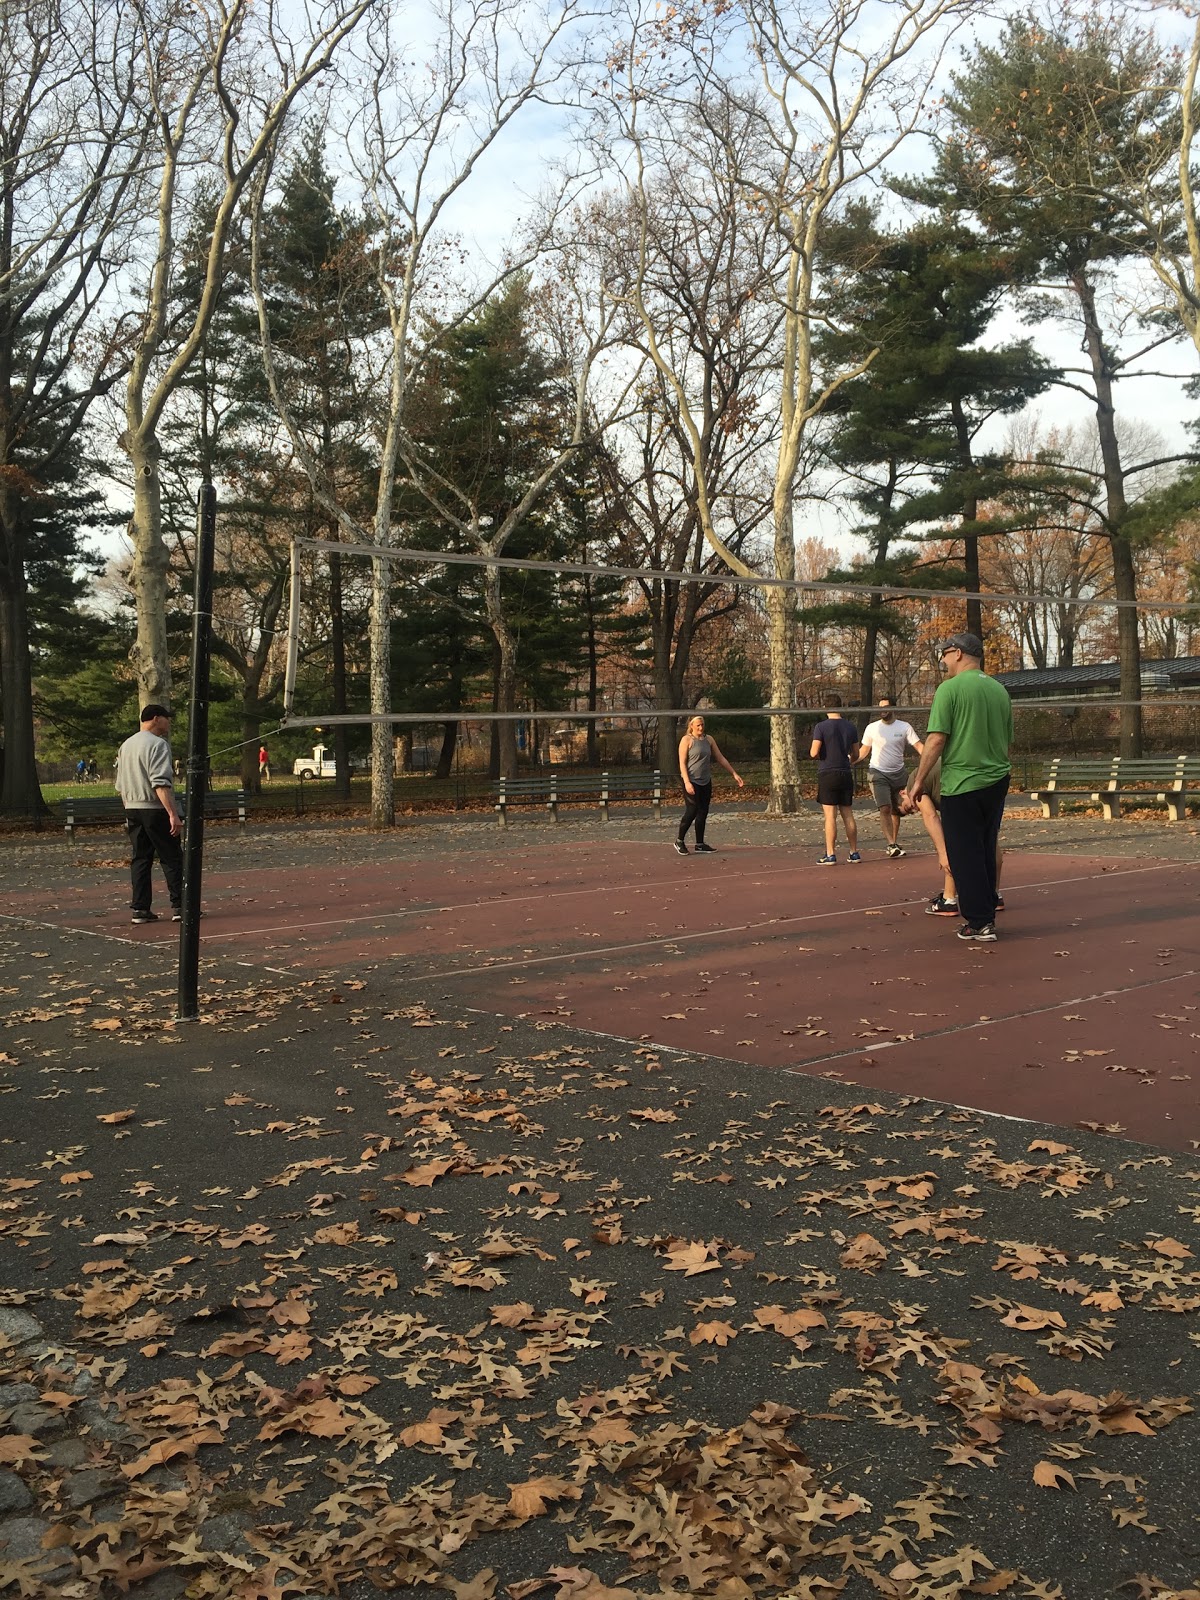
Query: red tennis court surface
<point x="1085" y="1009"/>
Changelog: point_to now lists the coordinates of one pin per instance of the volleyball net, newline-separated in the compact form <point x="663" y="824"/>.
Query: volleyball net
<point x="584" y="641"/>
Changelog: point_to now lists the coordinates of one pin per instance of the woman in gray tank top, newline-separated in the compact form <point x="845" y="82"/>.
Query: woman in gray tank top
<point x="697" y="752"/>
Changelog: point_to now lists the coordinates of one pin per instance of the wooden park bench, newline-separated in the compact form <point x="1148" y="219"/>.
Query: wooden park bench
<point x="106" y="811"/>
<point x="1111" y="780"/>
<point x="553" y="789"/>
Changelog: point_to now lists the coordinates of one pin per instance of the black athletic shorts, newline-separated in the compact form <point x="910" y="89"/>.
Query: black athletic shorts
<point x="835" y="788"/>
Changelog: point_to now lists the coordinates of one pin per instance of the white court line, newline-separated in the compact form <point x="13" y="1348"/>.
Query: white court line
<point x="665" y="940"/>
<point x="620" y="888"/>
<point x="700" y="1056"/>
<point x="991" y="1022"/>
<point x="566" y="894"/>
<point x="69" y="927"/>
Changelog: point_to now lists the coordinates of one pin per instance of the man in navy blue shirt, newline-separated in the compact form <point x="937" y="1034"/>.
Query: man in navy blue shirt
<point x="835" y="749"/>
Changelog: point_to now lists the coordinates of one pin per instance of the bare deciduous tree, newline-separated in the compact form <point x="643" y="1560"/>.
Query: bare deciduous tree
<point x="417" y="140"/>
<point x="73" y="133"/>
<point x="802" y="103"/>
<point x="221" y="77"/>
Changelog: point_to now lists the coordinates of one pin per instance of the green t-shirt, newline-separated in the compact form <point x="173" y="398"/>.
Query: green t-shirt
<point x="975" y="714"/>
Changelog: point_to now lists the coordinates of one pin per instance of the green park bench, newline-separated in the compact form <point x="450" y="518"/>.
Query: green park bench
<point x="1112" y="780"/>
<point x="106" y="811"/>
<point x="553" y="789"/>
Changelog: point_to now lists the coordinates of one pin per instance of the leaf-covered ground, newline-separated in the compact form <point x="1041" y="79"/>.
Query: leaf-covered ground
<point x="346" y="1291"/>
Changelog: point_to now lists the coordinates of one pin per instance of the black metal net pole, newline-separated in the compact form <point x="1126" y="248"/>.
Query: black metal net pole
<point x="197" y="758"/>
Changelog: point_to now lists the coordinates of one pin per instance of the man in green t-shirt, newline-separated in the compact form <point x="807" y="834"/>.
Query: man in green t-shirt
<point x="970" y="731"/>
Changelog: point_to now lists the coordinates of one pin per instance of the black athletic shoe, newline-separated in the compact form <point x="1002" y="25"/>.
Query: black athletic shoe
<point x="680" y="848"/>
<point x="894" y="852"/>
<point x="999" y="902"/>
<point x="703" y="849"/>
<point x="939" y="906"/>
<point x="144" y="916"/>
<point x="984" y="935"/>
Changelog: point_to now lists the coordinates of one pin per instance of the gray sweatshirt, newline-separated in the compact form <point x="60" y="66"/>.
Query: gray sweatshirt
<point x="143" y="765"/>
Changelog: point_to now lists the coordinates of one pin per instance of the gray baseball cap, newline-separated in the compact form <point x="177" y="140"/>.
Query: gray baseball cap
<point x="969" y="643"/>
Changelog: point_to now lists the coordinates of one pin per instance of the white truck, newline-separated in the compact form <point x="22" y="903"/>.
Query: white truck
<point x="320" y="764"/>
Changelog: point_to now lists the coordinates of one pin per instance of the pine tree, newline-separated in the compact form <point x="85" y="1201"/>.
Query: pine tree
<point x="486" y="420"/>
<point x="1048" y="123"/>
<point x="928" y="296"/>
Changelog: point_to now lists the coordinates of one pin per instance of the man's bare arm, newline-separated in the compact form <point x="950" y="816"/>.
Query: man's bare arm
<point x="935" y="743"/>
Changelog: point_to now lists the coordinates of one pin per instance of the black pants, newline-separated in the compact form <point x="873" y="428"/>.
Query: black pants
<point x="150" y="835"/>
<point x="971" y="824"/>
<point x="695" y="809"/>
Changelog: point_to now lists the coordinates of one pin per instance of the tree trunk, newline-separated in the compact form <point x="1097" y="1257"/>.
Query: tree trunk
<point x="593" y="688"/>
<point x="664" y="695"/>
<point x="866" y="683"/>
<point x="337" y="635"/>
<point x="971" y="573"/>
<point x="445" y="763"/>
<point x="785" y="769"/>
<point x="970" y="514"/>
<point x="20" y="792"/>
<point x="383" y="784"/>
<point x="784" y="798"/>
<point x="251" y="723"/>
<point x="871" y="635"/>
<point x="505" y="698"/>
<point x="1124" y="576"/>
<point x="1129" y="652"/>
<point x="151" y="656"/>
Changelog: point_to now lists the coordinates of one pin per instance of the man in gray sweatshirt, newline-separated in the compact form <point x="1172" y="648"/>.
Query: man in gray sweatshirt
<point x="147" y="792"/>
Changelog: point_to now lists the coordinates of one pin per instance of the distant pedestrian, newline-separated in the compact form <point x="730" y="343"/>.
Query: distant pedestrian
<point x="697" y="752"/>
<point x="144" y="783"/>
<point x="93" y="771"/>
<point x="970" y="730"/>
<point x="835" y="748"/>
<point x="884" y="743"/>
<point x="264" y="764"/>
<point x="81" y="769"/>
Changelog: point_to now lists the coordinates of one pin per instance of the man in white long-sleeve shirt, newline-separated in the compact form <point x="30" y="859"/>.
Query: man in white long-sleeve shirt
<point x="144" y="783"/>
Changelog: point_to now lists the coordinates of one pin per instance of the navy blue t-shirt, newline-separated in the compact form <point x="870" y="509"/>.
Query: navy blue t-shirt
<point x="838" y="737"/>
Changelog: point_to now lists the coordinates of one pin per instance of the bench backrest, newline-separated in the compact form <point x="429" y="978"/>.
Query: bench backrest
<point x="552" y="783"/>
<point x="1152" y="770"/>
<point x="1117" y="772"/>
<point x="217" y="802"/>
<point x="1068" y="772"/>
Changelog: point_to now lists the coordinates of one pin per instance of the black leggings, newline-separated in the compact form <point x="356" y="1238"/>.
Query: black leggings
<point x="695" y="809"/>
